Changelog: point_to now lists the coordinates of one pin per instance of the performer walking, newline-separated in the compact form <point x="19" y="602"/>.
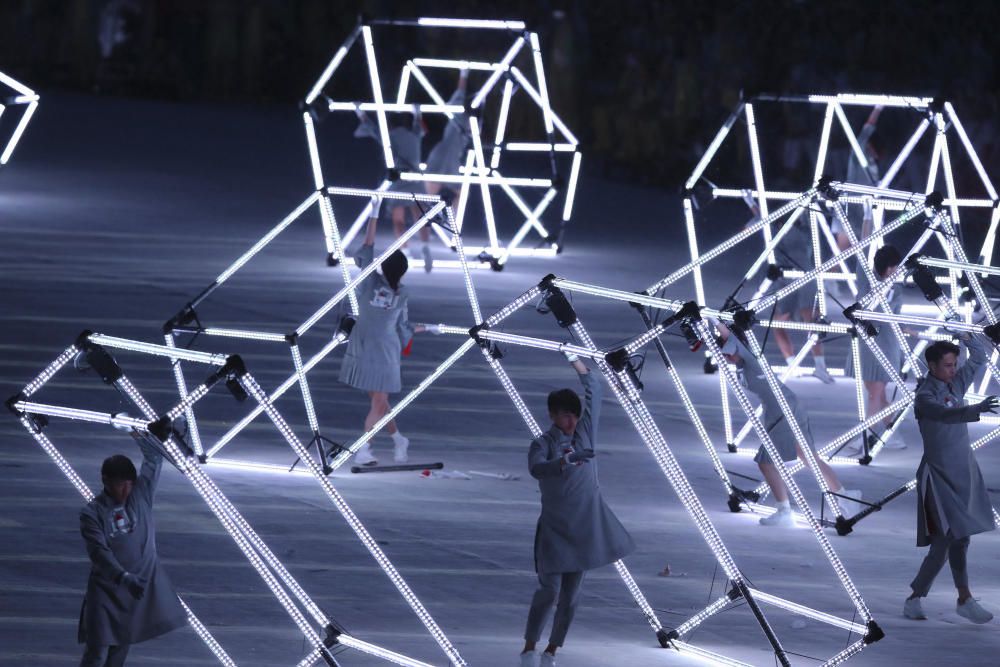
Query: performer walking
<point x="861" y="175"/>
<point x="129" y="596"/>
<point x="752" y="377"/>
<point x="405" y="137"/>
<point x="952" y="502"/>
<point x="371" y="362"/>
<point x="576" y="531"/>
<point x="448" y="155"/>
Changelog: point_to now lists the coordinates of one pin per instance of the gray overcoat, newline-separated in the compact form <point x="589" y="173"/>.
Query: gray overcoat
<point x="371" y="362"/>
<point x="795" y="251"/>
<point x="774" y="419"/>
<point x="122" y="539"/>
<point x="948" y="474"/>
<point x="449" y="154"/>
<point x="576" y="531"/>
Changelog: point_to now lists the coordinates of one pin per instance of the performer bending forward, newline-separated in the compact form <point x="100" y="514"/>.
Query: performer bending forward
<point x="952" y="502"/>
<point x="576" y="531"/>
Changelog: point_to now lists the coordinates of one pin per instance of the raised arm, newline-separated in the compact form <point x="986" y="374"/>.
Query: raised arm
<point x="592" y="394"/>
<point x="539" y="465"/>
<point x="98" y="550"/>
<point x="927" y="408"/>
<point x="366" y="129"/>
<point x="149" y="473"/>
<point x="976" y="360"/>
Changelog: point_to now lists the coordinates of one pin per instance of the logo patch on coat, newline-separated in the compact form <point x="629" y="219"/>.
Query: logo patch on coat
<point x="384" y="298"/>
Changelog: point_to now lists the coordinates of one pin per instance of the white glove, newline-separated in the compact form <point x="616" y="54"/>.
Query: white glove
<point x="570" y="356"/>
<point x="433" y="329"/>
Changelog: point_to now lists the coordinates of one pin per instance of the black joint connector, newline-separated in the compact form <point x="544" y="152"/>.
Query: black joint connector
<point x="558" y="182"/>
<point x="16" y="398"/>
<point x="935" y="201"/>
<point x="292" y="338"/>
<point x="100" y="360"/>
<point x="203" y="459"/>
<point x="874" y="633"/>
<point x="844" y="526"/>
<point x="734" y="593"/>
<point x="347" y="323"/>
<point x="825" y="188"/>
<point x="560" y="307"/>
<point x="161" y="428"/>
<point x="865" y="460"/>
<point x="478" y="111"/>
<point x="744" y="319"/>
<point x="392" y="174"/>
<point x="731" y="447"/>
<point x="332" y="635"/>
<point x="618" y="360"/>
<point x="687" y="193"/>
<point x="774" y="272"/>
<point x="83" y="340"/>
<point x="859" y="325"/>
<point x="186" y="315"/>
<point x="936" y="105"/>
<point x="912" y="263"/>
<point x="234" y="366"/>
<point x="474" y="333"/>
<point x="925" y="280"/>
<point x="546" y="282"/>
<point x="690" y="311"/>
<point x="638" y="306"/>
<point x="663" y="637"/>
<point x="734" y="502"/>
<point x="992" y="332"/>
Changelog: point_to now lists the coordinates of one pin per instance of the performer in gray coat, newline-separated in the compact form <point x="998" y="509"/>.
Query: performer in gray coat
<point x="952" y="502"/>
<point x="576" y="531"/>
<point x="405" y="137"/>
<point x="372" y="360"/>
<point x="861" y="175"/>
<point x="752" y="378"/>
<point x="794" y="251"/>
<point x="448" y="155"/>
<point x="129" y="596"/>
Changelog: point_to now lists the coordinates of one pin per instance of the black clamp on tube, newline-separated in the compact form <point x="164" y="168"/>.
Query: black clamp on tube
<point x="99" y="359"/>
<point x="346" y="326"/>
<point x="184" y="316"/>
<point x="993" y="333"/>
<point x="484" y="343"/>
<point x="163" y="428"/>
<point x="874" y="634"/>
<point x="925" y="280"/>
<point x="619" y="362"/>
<point x="774" y="272"/>
<point x="824" y="186"/>
<point x="560" y="306"/>
<point x="16" y="398"/>
<point x="859" y="325"/>
<point x="934" y="201"/>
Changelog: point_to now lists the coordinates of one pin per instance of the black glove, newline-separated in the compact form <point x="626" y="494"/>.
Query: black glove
<point x="580" y="456"/>
<point x="989" y="404"/>
<point x="134" y="585"/>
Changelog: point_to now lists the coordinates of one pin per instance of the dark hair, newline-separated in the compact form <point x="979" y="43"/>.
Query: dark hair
<point x="118" y="468"/>
<point x="936" y="350"/>
<point x="564" y="400"/>
<point x="886" y="256"/>
<point x="394" y="268"/>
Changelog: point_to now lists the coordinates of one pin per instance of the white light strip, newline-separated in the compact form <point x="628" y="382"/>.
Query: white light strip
<point x="482" y="180"/>
<point x="267" y="238"/>
<point x="542" y="88"/>
<point x="379" y="652"/>
<point x="349" y="288"/>
<point x="79" y="415"/>
<point x="18" y="131"/>
<point x="455" y="64"/>
<point x="869" y="100"/>
<point x="334" y="63"/>
<point x="551" y="251"/>
<point x="16" y="85"/>
<point x="957" y="124"/>
<point x="530" y="216"/>
<point x="276" y="394"/>
<point x="713" y="147"/>
<point x="824" y="143"/>
<point x="256" y="466"/>
<point x="383" y="194"/>
<point x="809" y="612"/>
<point x="243" y="333"/>
<point x="699" y="288"/>
<point x="518" y="238"/>
<point x="540" y="147"/>
<point x="758" y="174"/>
<point x="528" y="88"/>
<point x="254" y="389"/>
<point x="314" y="161"/>
<point x="859" y="154"/>
<point x="343" y="456"/>
<point x="447" y="109"/>
<point x="508" y="90"/>
<point x="304" y="387"/>
<point x="508" y="58"/>
<point x="574" y="174"/>
<point x="477" y="146"/>
<point x="383" y="128"/>
<point x="471" y="23"/>
<point x="64" y="358"/>
<point x="709" y="656"/>
<point x="846" y="654"/>
<point x="158" y="350"/>
<point x="703" y="615"/>
<point x="540" y="343"/>
<point x="890" y="173"/>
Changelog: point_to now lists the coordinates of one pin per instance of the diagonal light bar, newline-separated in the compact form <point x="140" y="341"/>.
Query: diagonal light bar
<point x="158" y="350"/>
<point x="504" y="65"/>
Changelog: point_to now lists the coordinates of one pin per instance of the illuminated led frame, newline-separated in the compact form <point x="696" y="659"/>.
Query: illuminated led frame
<point x="614" y="367"/>
<point x="477" y="171"/>
<point x="187" y="322"/>
<point x="160" y="427"/>
<point x="939" y="114"/>
<point x="23" y="97"/>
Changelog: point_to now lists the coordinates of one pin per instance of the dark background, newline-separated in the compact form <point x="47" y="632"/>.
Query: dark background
<point x="644" y="84"/>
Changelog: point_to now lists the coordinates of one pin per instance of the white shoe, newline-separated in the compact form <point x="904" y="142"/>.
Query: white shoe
<point x="428" y="258"/>
<point x="399" y="450"/>
<point x="822" y="375"/>
<point x="783" y="517"/>
<point x="850" y="507"/>
<point x="549" y="660"/>
<point x="913" y="610"/>
<point x="971" y="610"/>
<point x="364" y="456"/>
<point x="529" y="659"/>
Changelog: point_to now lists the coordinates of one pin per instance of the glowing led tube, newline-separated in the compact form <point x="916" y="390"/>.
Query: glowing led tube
<point x="709" y="656"/>
<point x="528" y="88"/>
<point x="504" y="65"/>
<point x="471" y="23"/>
<point x="334" y="63"/>
<point x="809" y="612"/>
<point x="64" y="358"/>
<point x="242" y="333"/>
<point x="382" y="193"/>
<point x="181" y="392"/>
<point x="18" y="131"/>
<point x="158" y="350"/>
<point x="79" y="415"/>
<point x="455" y="64"/>
<point x="713" y="147"/>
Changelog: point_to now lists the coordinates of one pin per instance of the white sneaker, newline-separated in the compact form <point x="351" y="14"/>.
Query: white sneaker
<point x="913" y="610"/>
<point x="850" y="507"/>
<point x="428" y="258"/>
<point x="529" y="659"/>
<point x="399" y="450"/>
<point x="971" y="610"/>
<point x="783" y="517"/>
<point x="822" y="375"/>
<point x="364" y="456"/>
<point x="549" y="660"/>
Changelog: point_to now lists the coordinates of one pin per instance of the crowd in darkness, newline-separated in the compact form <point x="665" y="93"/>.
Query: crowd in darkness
<point x="644" y="84"/>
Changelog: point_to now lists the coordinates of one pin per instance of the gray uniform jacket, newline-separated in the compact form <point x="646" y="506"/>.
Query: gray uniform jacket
<point x="948" y="474"/>
<point x="795" y="251"/>
<point x="577" y="530"/>
<point x="774" y="419"/>
<point x="860" y="175"/>
<point x="405" y="145"/>
<point x="371" y="362"/>
<point x="449" y="154"/>
<point x="871" y="369"/>
<point x="122" y="539"/>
